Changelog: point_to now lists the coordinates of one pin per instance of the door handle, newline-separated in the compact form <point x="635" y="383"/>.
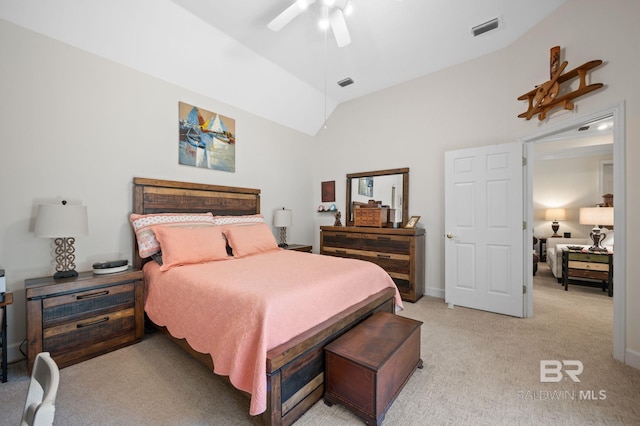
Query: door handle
<point x="449" y="235"/>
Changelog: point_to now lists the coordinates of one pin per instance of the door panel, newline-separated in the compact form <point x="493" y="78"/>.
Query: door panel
<point x="483" y="220"/>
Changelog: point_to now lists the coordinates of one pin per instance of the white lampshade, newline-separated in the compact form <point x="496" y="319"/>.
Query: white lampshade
<point x="282" y="218"/>
<point x="555" y="214"/>
<point x="61" y="221"/>
<point x="596" y="216"/>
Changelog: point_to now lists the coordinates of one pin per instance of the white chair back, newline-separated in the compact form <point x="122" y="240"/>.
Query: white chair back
<point x="39" y="407"/>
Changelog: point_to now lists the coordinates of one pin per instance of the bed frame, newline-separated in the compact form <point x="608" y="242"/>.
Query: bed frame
<point x="295" y="369"/>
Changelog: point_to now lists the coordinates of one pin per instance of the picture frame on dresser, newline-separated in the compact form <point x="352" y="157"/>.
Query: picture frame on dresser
<point x="412" y="222"/>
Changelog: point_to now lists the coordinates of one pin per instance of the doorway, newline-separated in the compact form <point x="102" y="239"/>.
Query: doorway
<point x="619" y="307"/>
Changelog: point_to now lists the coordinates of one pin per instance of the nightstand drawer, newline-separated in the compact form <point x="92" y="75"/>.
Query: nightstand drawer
<point x="76" y="306"/>
<point x="589" y="257"/>
<point x="593" y="266"/>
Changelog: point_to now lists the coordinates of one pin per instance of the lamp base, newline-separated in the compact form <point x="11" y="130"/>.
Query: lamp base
<point x="65" y="274"/>
<point x="597" y="236"/>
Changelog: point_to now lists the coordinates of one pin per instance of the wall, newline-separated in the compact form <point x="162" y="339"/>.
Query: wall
<point x="475" y="103"/>
<point x="75" y="126"/>
<point x="569" y="183"/>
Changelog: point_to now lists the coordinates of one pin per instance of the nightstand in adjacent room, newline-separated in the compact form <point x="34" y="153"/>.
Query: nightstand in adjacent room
<point x="588" y="268"/>
<point x="298" y="247"/>
<point x="81" y="317"/>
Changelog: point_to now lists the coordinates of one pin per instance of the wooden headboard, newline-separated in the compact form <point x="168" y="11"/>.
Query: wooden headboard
<point x="166" y="196"/>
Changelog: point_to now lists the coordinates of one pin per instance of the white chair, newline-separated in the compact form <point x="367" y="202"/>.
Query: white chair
<point x="39" y="408"/>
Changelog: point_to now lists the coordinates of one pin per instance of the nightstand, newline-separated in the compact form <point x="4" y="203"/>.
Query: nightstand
<point x="588" y="268"/>
<point x="85" y="316"/>
<point x="7" y="300"/>
<point x="298" y="247"/>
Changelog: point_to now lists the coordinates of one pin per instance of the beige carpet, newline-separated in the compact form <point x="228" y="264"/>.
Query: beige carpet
<point x="479" y="368"/>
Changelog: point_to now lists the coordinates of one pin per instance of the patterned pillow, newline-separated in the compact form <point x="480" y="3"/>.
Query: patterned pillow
<point x="143" y="227"/>
<point x="239" y="220"/>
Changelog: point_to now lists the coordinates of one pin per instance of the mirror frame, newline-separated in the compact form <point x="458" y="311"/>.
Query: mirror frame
<point x="405" y="191"/>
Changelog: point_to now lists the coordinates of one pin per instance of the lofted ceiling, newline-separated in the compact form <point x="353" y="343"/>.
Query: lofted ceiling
<point x="224" y="50"/>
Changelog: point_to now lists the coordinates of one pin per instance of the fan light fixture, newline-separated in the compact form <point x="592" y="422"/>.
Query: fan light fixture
<point x="332" y="15"/>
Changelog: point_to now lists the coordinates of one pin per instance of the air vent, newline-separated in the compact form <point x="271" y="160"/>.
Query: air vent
<point x="486" y="27"/>
<point x="345" y="82"/>
<point x="583" y="128"/>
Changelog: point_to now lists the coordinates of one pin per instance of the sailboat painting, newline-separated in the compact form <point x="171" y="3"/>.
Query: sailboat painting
<point x="207" y="139"/>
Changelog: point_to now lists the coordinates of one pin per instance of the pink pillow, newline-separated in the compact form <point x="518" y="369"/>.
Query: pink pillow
<point x="183" y="245"/>
<point x="250" y="239"/>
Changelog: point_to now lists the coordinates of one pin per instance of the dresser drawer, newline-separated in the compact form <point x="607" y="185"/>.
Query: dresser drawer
<point x="341" y="252"/>
<point x="397" y="244"/>
<point x="397" y="265"/>
<point x="342" y="240"/>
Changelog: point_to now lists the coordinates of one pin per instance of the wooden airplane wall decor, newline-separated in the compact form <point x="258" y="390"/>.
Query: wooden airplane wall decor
<point x="547" y="95"/>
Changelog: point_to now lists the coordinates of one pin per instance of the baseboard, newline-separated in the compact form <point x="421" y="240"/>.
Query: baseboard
<point x="632" y="358"/>
<point x="435" y="292"/>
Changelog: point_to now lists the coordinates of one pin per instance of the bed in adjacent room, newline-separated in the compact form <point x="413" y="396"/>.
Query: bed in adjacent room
<point x="260" y="316"/>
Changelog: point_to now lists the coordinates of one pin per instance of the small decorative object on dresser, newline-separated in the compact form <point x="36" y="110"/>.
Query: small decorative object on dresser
<point x="413" y="221"/>
<point x="338" y="215"/>
<point x="78" y="318"/>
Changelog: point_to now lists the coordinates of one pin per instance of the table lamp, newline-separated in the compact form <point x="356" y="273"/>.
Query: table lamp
<point x="555" y="215"/>
<point x="282" y="219"/>
<point x="63" y="222"/>
<point x="596" y="216"/>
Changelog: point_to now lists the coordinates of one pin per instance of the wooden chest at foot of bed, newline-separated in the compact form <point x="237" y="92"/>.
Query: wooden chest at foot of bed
<point x="366" y="368"/>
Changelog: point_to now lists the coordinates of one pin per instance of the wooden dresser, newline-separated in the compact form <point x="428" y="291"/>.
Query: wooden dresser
<point x="400" y="251"/>
<point x="81" y="317"/>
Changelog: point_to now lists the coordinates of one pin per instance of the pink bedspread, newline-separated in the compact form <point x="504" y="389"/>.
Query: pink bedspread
<point x="238" y="309"/>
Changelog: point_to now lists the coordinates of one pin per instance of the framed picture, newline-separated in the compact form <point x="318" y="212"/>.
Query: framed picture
<point x="329" y="191"/>
<point x="412" y="222"/>
<point x="365" y="186"/>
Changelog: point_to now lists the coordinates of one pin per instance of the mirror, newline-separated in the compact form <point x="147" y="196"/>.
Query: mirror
<point x="390" y="187"/>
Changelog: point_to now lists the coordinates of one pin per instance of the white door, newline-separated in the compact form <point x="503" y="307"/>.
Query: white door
<point x="484" y="216"/>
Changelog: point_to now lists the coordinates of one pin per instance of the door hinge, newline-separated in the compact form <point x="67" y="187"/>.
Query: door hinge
<point x="524" y="161"/>
<point x="524" y="289"/>
<point x="524" y="224"/>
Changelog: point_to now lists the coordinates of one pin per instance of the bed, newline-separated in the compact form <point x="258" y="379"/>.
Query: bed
<point x="293" y="366"/>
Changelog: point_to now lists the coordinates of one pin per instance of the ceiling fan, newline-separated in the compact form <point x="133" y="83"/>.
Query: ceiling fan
<point x="333" y="13"/>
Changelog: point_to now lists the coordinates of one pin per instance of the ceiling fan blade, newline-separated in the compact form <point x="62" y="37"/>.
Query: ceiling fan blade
<point x="288" y="14"/>
<point x="339" y="28"/>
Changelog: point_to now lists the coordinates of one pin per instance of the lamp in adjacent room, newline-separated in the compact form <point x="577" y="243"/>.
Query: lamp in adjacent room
<point x="555" y="215"/>
<point x="282" y="220"/>
<point x="62" y="222"/>
<point x="597" y="216"/>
